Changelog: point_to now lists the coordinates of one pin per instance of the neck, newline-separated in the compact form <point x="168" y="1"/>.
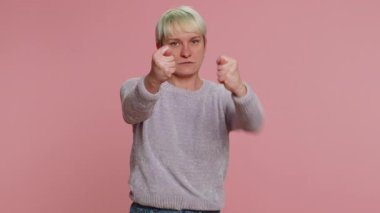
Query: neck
<point x="189" y="83"/>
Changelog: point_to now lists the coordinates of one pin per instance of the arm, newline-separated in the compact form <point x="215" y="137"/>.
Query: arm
<point x="136" y="101"/>
<point x="138" y="96"/>
<point x="244" y="112"/>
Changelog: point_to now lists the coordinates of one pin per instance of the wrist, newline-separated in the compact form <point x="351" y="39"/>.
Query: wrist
<point x="151" y="84"/>
<point x="241" y="90"/>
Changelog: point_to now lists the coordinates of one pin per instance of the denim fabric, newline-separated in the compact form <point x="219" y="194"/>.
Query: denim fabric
<point x="137" y="208"/>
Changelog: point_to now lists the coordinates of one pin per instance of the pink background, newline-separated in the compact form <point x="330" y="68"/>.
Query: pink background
<point x="315" y="64"/>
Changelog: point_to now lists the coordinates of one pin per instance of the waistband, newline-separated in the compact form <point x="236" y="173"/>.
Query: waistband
<point x="134" y="204"/>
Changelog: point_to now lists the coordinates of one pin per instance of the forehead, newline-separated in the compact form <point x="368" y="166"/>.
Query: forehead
<point x="183" y="35"/>
<point x="180" y="29"/>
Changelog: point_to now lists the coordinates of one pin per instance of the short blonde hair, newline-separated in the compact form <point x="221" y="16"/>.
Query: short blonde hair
<point x="183" y="18"/>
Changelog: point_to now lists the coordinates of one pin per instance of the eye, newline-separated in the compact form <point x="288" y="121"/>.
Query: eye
<point x="174" y="43"/>
<point x="195" y="41"/>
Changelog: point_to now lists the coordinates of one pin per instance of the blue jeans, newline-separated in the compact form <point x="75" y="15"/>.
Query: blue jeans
<point x="137" y="208"/>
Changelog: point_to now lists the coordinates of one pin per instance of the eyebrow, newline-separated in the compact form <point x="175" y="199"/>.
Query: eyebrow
<point x="196" y="37"/>
<point x="177" y="39"/>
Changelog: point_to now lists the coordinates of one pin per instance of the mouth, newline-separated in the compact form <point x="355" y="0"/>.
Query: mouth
<point x="186" y="62"/>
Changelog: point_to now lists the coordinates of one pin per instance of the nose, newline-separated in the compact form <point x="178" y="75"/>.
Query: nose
<point x="185" y="51"/>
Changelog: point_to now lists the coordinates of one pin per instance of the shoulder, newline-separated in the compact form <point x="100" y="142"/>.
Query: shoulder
<point x="216" y="92"/>
<point x="217" y="88"/>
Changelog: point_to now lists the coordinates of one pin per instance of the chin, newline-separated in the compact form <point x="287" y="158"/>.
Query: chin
<point x="185" y="73"/>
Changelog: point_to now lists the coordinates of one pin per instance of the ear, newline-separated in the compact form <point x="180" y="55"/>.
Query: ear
<point x="204" y="41"/>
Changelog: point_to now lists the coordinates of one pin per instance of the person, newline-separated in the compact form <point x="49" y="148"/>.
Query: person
<point x="181" y="122"/>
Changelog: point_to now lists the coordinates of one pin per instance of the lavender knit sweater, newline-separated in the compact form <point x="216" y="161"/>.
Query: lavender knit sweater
<point x="180" y="146"/>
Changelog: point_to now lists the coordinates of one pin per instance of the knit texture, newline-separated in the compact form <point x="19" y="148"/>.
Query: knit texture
<point x="180" y="148"/>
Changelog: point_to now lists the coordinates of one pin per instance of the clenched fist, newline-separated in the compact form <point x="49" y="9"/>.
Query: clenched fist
<point x="162" y="68"/>
<point x="228" y="74"/>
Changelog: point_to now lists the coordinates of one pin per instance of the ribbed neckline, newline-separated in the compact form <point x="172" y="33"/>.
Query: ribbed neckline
<point x="170" y="87"/>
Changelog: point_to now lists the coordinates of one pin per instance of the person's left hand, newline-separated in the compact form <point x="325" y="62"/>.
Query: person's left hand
<point x="228" y="74"/>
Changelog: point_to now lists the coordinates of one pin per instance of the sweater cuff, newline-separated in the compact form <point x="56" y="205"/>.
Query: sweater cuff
<point x="245" y="98"/>
<point x="144" y="94"/>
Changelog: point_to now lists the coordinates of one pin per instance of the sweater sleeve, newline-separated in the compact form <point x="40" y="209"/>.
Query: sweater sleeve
<point x="244" y="112"/>
<point x="136" y="101"/>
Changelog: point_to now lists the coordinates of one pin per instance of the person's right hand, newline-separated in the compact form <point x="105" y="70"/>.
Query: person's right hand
<point x="162" y="68"/>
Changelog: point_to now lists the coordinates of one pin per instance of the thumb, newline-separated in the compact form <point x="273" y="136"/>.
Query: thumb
<point x="167" y="53"/>
<point x="221" y="60"/>
<point x="164" y="50"/>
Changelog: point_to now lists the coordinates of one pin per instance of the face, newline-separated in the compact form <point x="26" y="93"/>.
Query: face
<point x="188" y="49"/>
